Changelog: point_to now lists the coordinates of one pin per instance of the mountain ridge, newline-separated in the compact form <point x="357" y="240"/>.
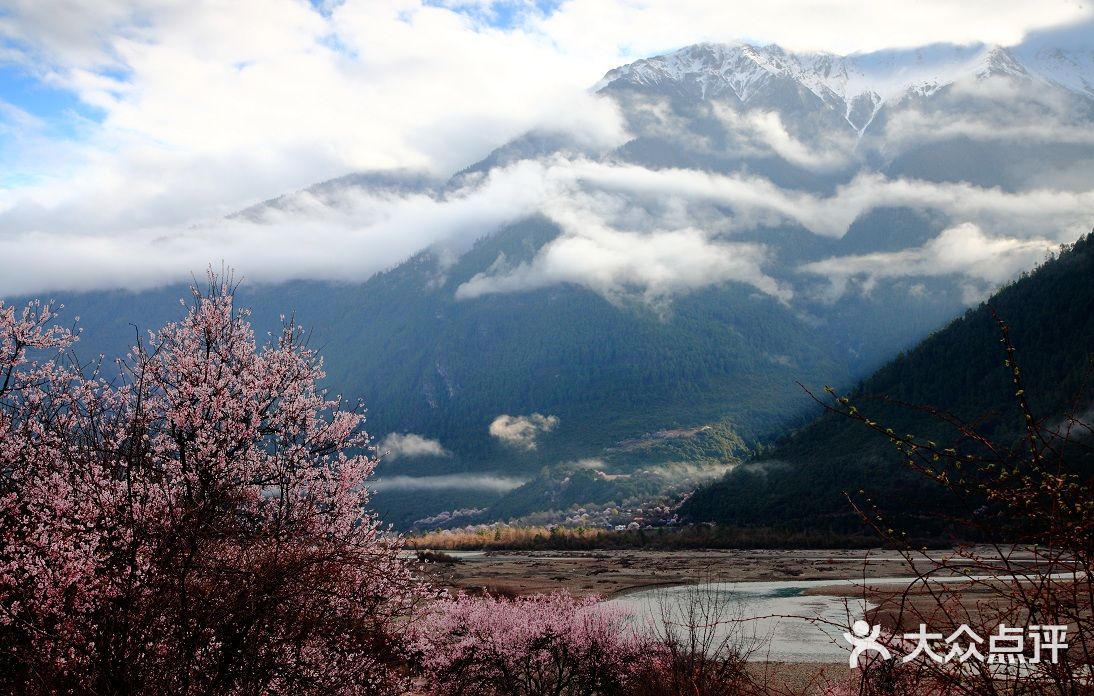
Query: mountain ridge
<point x="848" y="80"/>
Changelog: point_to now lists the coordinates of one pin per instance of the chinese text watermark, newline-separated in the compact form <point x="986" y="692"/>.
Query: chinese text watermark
<point x="1008" y="645"/>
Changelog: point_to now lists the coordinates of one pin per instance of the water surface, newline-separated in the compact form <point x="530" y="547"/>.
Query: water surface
<point x="776" y="620"/>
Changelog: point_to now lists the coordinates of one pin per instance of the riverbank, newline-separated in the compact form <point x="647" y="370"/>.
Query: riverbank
<point x="796" y="658"/>
<point x="618" y="574"/>
<point x="613" y="573"/>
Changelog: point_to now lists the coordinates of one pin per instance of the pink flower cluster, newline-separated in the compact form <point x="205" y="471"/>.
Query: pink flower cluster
<point x="542" y="644"/>
<point x="194" y="523"/>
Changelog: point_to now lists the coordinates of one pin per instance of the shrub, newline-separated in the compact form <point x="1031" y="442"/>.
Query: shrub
<point x="702" y="646"/>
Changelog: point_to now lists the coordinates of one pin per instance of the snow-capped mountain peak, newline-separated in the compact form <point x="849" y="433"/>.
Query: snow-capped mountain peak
<point x="876" y="77"/>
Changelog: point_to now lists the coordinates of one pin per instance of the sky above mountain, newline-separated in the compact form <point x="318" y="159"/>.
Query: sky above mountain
<point x="122" y="123"/>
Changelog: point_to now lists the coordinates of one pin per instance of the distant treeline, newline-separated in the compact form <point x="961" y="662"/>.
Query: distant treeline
<point x="658" y="539"/>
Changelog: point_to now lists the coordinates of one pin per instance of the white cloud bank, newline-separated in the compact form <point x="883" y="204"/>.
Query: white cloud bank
<point x="396" y="445"/>
<point x="521" y="432"/>
<point x="447" y="482"/>
<point x="612" y="262"/>
<point x="198" y="109"/>
<point x="964" y="249"/>
<point x="657" y="233"/>
<point x="760" y="132"/>
<point x="626" y="230"/>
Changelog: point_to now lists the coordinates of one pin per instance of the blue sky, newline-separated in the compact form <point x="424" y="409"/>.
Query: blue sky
<point x="60" y="109"/>
<point x="506" y="14"/>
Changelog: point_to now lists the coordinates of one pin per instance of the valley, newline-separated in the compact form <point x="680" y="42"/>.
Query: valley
<point x="773" y="219"/>
<point x="546" y="348"/>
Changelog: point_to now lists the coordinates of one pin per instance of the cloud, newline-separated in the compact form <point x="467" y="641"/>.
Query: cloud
<point x="692" y="474"/>
<point x="655" y="234"/>
<point x="654" y="117"/>
<point x="961" y="250"/>
<point x="589" y="464"/>
<point x="194" y="117"/>
<point x="187" y="113"/>
<point x="522" y="431"/>
<point x="349" y="234"/>
<point x="847" y="26"/>
<point x="768" y="126"/>
<point x="446" y="482"/>
<point x="627" y="230"/>
<point x="1001" y="110"/>
<point x="611" y="262"/>
<point x="915" y="127"/>
<point x="397" y="445"/>
<point x="181" y="117"/>
<point x="756" y="200"/>
<point x="763" y="132"/>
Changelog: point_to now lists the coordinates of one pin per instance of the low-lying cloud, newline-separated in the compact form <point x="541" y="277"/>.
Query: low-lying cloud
<point x="448" y="482"/>
<point x="995" y="109"/>
<point x="627" y="230"/>
<point x="655" y="234"/>
<point x="687" y="473"/>
<point x="614" y="262"/>
<point x="755" y="200"/>
<point x="349" y="233"/>
<point x="521" y="432"/>
<point x="397" y="445"/>
<point x="964" y="249"/>
<point x="763" y="132"/>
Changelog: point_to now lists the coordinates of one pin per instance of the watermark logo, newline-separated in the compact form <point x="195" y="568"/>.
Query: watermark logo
<point x="864" y="639"/>
<point x="1008" y="645"/>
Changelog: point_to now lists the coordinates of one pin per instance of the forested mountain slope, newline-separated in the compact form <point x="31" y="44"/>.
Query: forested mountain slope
<point x="959" y="370"/>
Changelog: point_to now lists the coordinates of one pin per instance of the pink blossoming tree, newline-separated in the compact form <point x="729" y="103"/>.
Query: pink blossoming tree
<point x="195" y="525"/>
<point x="541" y="645"/>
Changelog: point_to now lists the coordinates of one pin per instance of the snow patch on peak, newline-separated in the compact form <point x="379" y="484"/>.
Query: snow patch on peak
<point x="739" y="67"/>
<point x="923" y="71"/>
<point x="1072" y="69"/>
<point x="857" y="79"/>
